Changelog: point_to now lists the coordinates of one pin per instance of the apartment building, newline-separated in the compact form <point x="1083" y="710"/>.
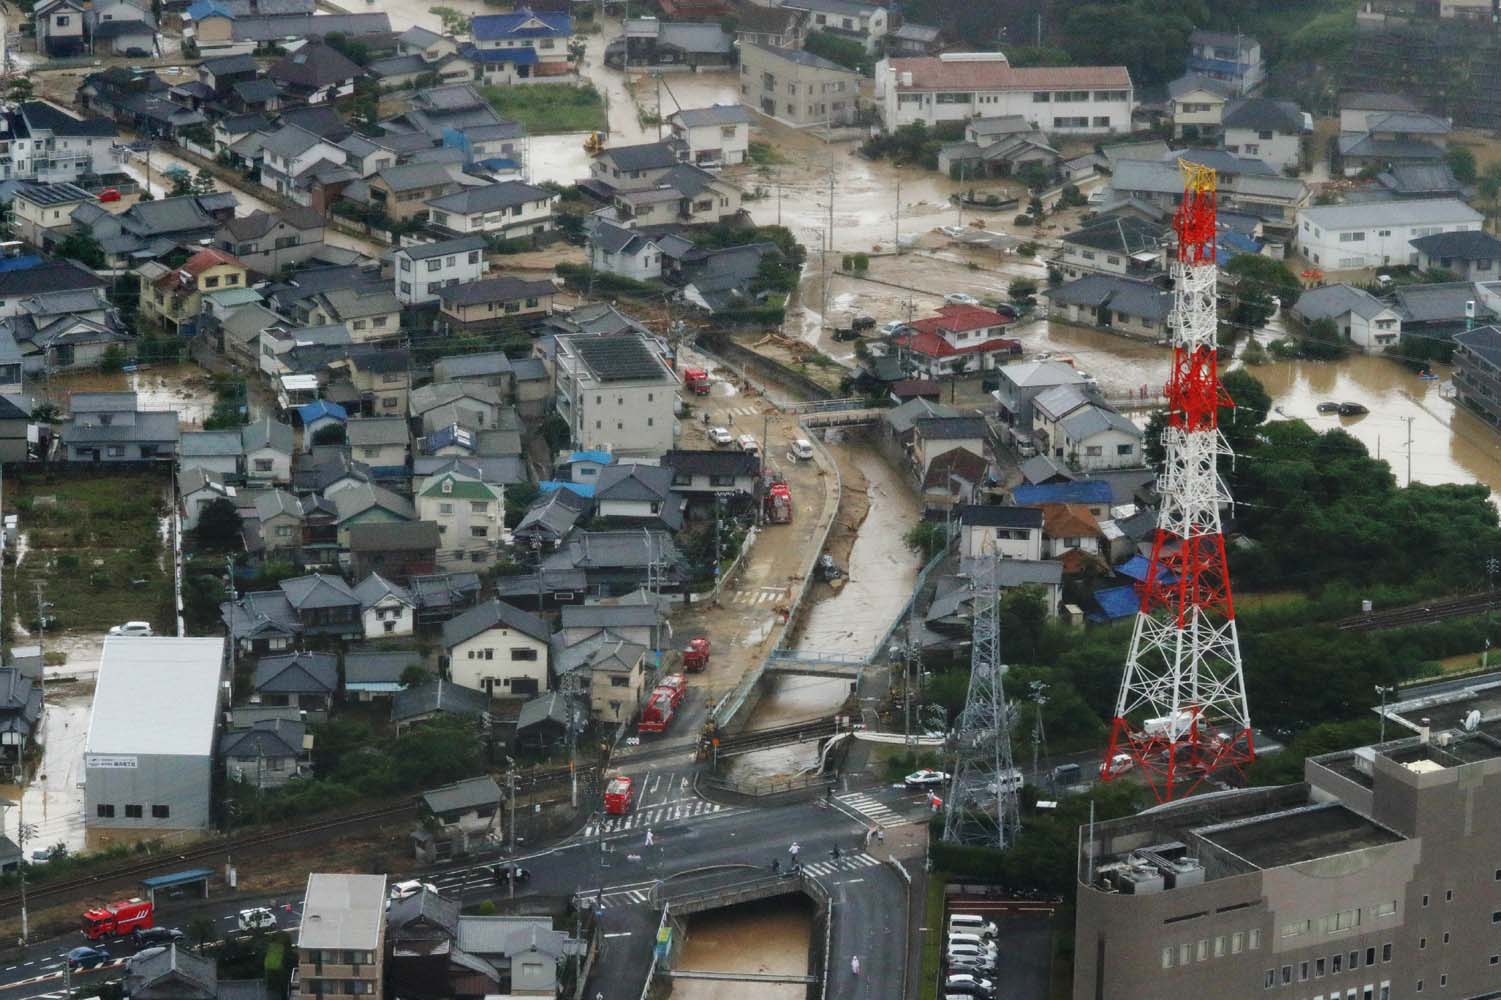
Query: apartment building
<point x="797" y="87"/>
<point x="341" y="943"/>
<point x="1376" y="877"/>
<point x="616" y="393"/>
<point x="423" y="269"/>
<point x="1348" y="237"/>
<point x="955" y="86"/>
<point x="1477" y="372"/>
<point x="1231" y="58"/>
<point x="470" y="516"/>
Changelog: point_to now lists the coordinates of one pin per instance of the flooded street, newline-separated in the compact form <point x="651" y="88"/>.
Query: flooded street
<point x="769" y="937"/>
<point x="53" y="802"/>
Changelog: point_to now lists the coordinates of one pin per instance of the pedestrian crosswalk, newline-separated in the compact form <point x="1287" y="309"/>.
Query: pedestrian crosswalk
<point x="872" y="809"/>
<point x="744" y="411"/>
<point x="644" y="819"/>
<point x="846" y="863"/>
<point x="763" y="595"/>
<point x="628" y="897"/>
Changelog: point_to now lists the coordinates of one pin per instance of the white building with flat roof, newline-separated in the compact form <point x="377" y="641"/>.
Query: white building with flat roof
<point x="148" y="760"/>
<point x="955" y="86"/>
<point x="341" y="943"/>
<point x="1373" y="234"/>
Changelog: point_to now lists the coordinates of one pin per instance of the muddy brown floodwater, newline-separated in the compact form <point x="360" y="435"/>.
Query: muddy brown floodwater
<point x="769" y="937"/>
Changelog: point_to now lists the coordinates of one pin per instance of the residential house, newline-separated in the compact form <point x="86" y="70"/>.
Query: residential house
<point x="650" y="42"/>
<point x="197" y="487"/>
<point x="268" y="754"/>
<point x="322" y="605"/>
<point x="704" y="476"/>
<point x="291" y="155"/>
<point x="935" y="437"/>
<point x="121" y="28"/>
<point x="715" y="136"/>
<point x="59" y="27"/>
<point x="499" y="649"/>
<point x="1395" y="138"/>
<point x="381" y="443"/>
<point x="1371" y="234"/>
<point x="1245" y="186"/>
<point x="636" y="166"/>
<point x="1477" y="372"/>
<point x="778" y="27"/>
<point x="639" y="494"/>
<point x="42" y="213"/>
<point x="217" y="452"/>
<point x="475" y="406"/>
<point x="369" y="675"/>
<point x="341" y="942"/>
<point x="550" y="519"/>
<point x="1360" y="317"/>
<point x="304" y="681"/>
<point x="1020" y="384"/>
<point x="320" y="531"/>
<point x="848" y="19"/>
<point x="221" y="73"/>
<point x="375" y="381"/>
<point x="1073" y="425"/>
<point x="616" y="672"/>
<point x="458" y="819"/>
<point x="46" y="143"/>
<point x="724" y="279"/>
<point x="367" y="504"/>
<point x="534" y="387"/>
<point x="314" y="74"/>
<point x="56" y="332"/>
<point x="510" y="210"/>
<point x="414" y="705"/>
<point x="522" y="45"/>
<point x="682" y="194"/>
<point x="544" y="722"/>
<point x="20" y="715"/>
<point x="1439" y="310"/>
<point x="958" y="339"/>
<point x="1068" y="528"/>
<point x="267" y="243"/>
<point x="525" y="951"/>
<point x="267" y="447"/>
<point x="175" y="973"/>
<point x="1122" y="245"/>
<point x="422" y="269"/>
<point x="1271" y="131"/>
<point x="316" y="416"/>
<point x="616" y="394"/>
<point x="238" y="335"/>
<point x="261" y="622"/>
<point x="1196" y="105"/>
<point x="371" y="313"/>
<point x="1471" y="255"/>
<point x="1425" y="180"/>
<point x="395" y="550"/>
<point x="798" y="87"/>
<point x="176" y="298"/>
<point x="402" y="192"/>
<point x="470" y="516"/>
<point x="1230" y="57"/>
<point x="637" y="617"/>
<point x="387" y="609"/>
<point x="624" y="252"/>
<point x="992" y="529"/>
<point x="998" y="146"/>
<point x="1357" y="109"/>
<point x="954" y="86"/>
<point x="276" y="529"/>
<point x="612" y="563"/>
<point x="108" y="427"/>
<point x="1125" y="305"/>
<point x="913" y="39"/>
<point x="12" y="371"/>
<point x="492" y="369"/>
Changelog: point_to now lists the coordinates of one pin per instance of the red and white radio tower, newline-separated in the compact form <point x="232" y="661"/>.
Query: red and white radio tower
<point x="1182" y="712"/>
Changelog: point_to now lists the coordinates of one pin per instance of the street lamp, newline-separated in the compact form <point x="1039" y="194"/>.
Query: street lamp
<point x="1383" y="691"/>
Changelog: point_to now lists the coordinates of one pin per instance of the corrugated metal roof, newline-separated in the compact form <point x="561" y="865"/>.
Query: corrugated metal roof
<point x="157" y="695"/>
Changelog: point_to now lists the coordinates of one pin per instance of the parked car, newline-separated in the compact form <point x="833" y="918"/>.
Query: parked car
<point x="893" y="327"/>
<point x="257" y="918"/>
<point x="961" y="299"/>
<point x="510" y="873"/>
<point x="802" y="449"/>
<point x="721" y="436"/>
<point x="85" y="957"/>
<point x="402" y="890"/>
<point x="749" y="443"/>
<point x="926" y="778"/>
<point x="145" y="937"/>
<point x="47" y="854"/>
<point x="965" y="982"/>
<point x="1120" y="762"/>
<point x="974" y="964"/>
<point x="132" y="628"/>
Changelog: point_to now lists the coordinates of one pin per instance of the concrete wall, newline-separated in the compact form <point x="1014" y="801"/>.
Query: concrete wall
<point x="181" y="783"/>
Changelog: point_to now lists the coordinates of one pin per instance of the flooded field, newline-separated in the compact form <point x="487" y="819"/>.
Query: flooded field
<point x="768" y="937"/>
<point x="185" y="388"/>
<point x="53" y="802"/>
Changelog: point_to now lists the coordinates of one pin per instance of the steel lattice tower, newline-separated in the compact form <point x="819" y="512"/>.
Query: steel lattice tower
<point x="982" y="807"/>
<point x="1182" y="712"/>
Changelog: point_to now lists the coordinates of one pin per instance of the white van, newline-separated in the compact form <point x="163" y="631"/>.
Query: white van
<point x="802" y="450"/>
<point x="957" y="938"/>
<point x="258" y="918"/>
<point x="971" y="923"/>
<point x="971" y="951"/>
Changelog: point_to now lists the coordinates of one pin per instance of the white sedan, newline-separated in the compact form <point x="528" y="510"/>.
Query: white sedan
<point x="132" y="628"/>
<point x="926" y="778"/>
<point x="961" y="299"/>
<point x="721" y="435"/>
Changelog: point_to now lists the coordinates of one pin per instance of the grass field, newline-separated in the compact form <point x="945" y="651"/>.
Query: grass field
<point x="550" y="108"/>
<point x="95" y="546"/>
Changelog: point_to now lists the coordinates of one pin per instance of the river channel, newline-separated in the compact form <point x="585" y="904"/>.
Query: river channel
<point x="769" y="937"/>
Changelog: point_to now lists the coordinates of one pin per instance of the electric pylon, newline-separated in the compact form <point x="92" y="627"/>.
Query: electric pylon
<point x="982" y="801"/>
<point x="1182" y="712"/>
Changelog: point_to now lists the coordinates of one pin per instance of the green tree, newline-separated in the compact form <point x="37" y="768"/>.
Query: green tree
<point x="926" y="537"/>
<point x="455" y="22"/>
<point x="20" y="89"/>
<point x="82" y="247"/>
<point x="1035" y="176"/>
<point x="218" y="526"/>
<point x="415" y="676"/>
<point x="202" y="930"/>
<point x="330" y="434"/>
<point x="1259" y="280"/>
<point x="1022" y="290"/>
<point x="1461" y="160"/>
<point x="1024" y="617"/>
<point x="203" y="181"/>
<point x="845" y="51"/>
<point x="113" y="358"/>
<point x="1252" y="404"/>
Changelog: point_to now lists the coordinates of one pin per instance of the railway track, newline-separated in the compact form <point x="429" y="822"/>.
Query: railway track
<point x="1419" y="614"/>
<point x="197" y="852"/>
<point x="767" y="739"/>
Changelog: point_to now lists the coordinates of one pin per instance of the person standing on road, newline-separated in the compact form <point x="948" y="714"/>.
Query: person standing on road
<point x="793" y="850"/>
<point x="649" y="840"/>
<point x="855" y="965"/>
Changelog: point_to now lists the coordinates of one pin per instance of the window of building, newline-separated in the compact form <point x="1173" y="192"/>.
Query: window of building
<point x="1336" y="964"/>
<point x="1422" y="943"/>
<point x="1271" y="979"/>
<point x="1303" y="972"/>
<point x="620" y="682"/>
<point x="1449" y="895"/>
<point x="1386" y="952"/>
<point x="1370" y="956"/>
<point x="104" y="812"/>
<point x="1237" y="942"/>
<point x="1420" y="986"/>
<point x="1446" y="937"/>
<point x="435" y="264"/>
<point x="1354" y="960"/>
<point x="132" y="812"/>
<point x="1318" y="968"/>
<point x="1287" y="974"/>
<point x="1101" y="121"/>
<point x="1219" y="946"/>
<point x="1425" y="900"/>
<point x="523" y="655"/>
<point x="478" y="532"/>
<point x="1443" y="980"/>
<point x="1253" y="940"/>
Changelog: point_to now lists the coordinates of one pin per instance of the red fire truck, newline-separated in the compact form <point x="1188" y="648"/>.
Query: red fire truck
<point x="618" y="793"/>
<point x="697" y="380"/>
<point x="696" y="656"/>
<point x="657" y="715"/>
<point x="117" y="919"/>
<point x="779" y="504"/>
<point x="678" y="685"/>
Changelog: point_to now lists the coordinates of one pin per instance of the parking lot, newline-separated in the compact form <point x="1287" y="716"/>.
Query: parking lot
<point x="1023" y="944"/>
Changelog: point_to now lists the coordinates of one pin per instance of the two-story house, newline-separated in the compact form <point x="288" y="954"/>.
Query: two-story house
<point x="494" y="304"/>
<point x="1197" y="107"/>
<point x="305" y="681"/>
<point x="459" y="819"/>
<point x="267" y="447"/>
<point x="322" y="605"/>
<point x="682" y="194"/>
<point x="403" y="191"/>
<point x="217" y="452"/>
<point x="798" y="87"/>
<point x="615" y="393"/>
<point x="705" y="476"/>
<point x="1271" y="131"/>
<point x="860" y="22"/>
<point x="1360" y="317"/>
<point x="288" y="157"/>
<point x="382" y="443"/>
<point x="779" y="27"/>
<point x="1471" y="255"/>
<point x="59" y="27"/>
<point x="315" y="74"/>
<point x="108" y="427"/>
<point x="269" y="242"/>
<point x="615" y="671"/>
<point x="958" y="339"/>
<point x="1124" y="245"/>
<point x="522" y="45"/>
<point x="386" y="608"/>
<point x="175" y="299"/>
<point x="636" y="166"/>
<point x="42" y="214"/>
<point x="630" y="493"/>
<point x="509" y="209"/>
<point x="1228" y="57"/>
<point x="277" y="529"/>
<point x="497" y="648"/>
<point x="470" y="516"/>
<point x="422" y="269"/>
<point x="1071" y="424"/>
<point x="994" y="529"/>
<point x="716" y="136"/>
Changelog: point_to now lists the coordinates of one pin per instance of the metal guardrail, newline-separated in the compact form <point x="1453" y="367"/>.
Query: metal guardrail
<point x="769" y="786"/>
<point x="651" y="970"/>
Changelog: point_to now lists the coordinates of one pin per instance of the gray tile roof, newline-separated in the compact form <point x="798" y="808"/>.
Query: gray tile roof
<point x="439" y="248"/>
<point x="373" y="431"/>
<point x="717" y="114"/>
<point x="1122" y="234"/>
<point x="463" y="795"/>
<point x="502" y="289"/>
<point x="374" y="667"/>
<point x="400" y="536"/>
<point x="1424" y="212"/>
<point x="471" y="366"/>
<point x="1332" y="301"/>
<point x="297" y="673"/>
<point x="151" y="428"/>
<point x="267" y="432"/>
<point x="493" y="614"/>
<point x="1261" y="114"/>
<point x="1088" y="421"/>
<point x="1469" y="245"/>
<point x="267" y="738"/>
<point x="375" y="588"/>
<point x="490" y="198"/>
<point x="355" y="500"/>
<point x="318" y="590"/>
<point x="205" y="444"/>
<point x="1438" y="303"/>
<point x="1140" y="299"/>
<point x="1484" y="341"/>
<point x="439" y="696"/>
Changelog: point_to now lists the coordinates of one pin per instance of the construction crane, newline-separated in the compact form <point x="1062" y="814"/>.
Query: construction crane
<point x="1181" y="714"/>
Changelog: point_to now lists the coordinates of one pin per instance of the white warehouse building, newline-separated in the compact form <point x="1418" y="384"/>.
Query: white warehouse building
<point x="1373" y="234"/>
<point x="148" y="761"/>
<point x="954" y="86"/>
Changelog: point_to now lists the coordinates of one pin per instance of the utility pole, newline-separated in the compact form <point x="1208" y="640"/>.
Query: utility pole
<point x="21" y="868"/>
<point x="828" y="248"/>
<point x="1409" y="450"/>
<point x="897" y="233"/>
<point x="1491" y="565"/>
<point x="1039" y="736"/>
<point x="229" y="576"/>
<point x="41" y="635"/>
<point x="1383" y="691"/>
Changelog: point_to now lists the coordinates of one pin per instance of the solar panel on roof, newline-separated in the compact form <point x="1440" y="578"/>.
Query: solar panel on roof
<point x="618" y="358"/>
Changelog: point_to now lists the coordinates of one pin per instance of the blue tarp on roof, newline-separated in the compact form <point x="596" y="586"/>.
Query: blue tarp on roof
<point x="23" y="263"/>
<point x="499" y="163"/>
<point x="319" y="408"/>
<point x="1084" y="491"/>
<point x="585" y="490"/>
<point x="1229" y="244"/>
<point x="1136" y="569"/>
<point x="204" y="8"/>
<point x="601" y="457"/>
<point x="1115" y="603"/>
<point x="490" y="27"/>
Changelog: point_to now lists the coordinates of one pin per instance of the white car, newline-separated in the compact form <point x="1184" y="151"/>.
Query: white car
<point x="132" y="628"/>
<point x="961" y="299"/>
<point x="893" y="327"/>
<point x="721" y="435"/>
<point x="802" y="449"/>
<point x="405" y="890"/>
<point x="258" y="918"/>
<point x="926" y="778"/>
<point x="748" y="443"/>
<point x="1119" y="763"/>
<point x="970" y="984"/>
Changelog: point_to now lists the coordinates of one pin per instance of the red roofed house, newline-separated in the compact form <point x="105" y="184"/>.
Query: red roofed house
<point x="1069" y="526"/>
<point x="172" y="299"/>
<point x="957" y="86"/>
<point x="958" y="339"/>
